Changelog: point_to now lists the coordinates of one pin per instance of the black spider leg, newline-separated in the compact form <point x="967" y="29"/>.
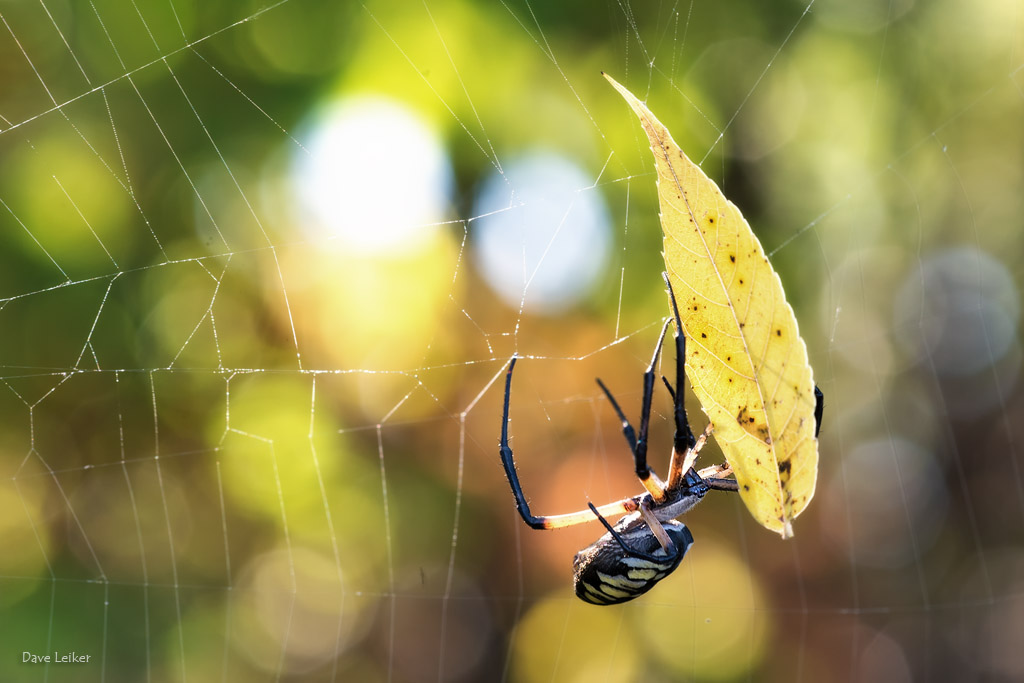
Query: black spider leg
<point x="722" y="484"/>
<point x="633" y="552"/>
<point x="684" y="436"/>
<point x="623" y="506"/>
<point x="507" y="462"/>
<point x="693" y="480"/>
<point x="819" y="409"/>
<point x="639" y="444"/>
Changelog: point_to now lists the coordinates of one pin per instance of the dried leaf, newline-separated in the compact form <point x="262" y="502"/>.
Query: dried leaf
<point x="745" y="359"/>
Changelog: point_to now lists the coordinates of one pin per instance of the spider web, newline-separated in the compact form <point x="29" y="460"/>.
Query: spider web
<point x="250" y="414"/>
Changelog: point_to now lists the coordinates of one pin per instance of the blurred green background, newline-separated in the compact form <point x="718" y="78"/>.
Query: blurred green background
<point x="262" y="266"/>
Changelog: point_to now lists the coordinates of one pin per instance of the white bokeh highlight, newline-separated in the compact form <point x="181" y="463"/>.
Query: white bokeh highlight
<point x="543" y="234"/>
<point x="373" y="174"/>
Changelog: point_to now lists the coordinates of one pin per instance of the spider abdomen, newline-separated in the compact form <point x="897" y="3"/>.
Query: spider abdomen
<point x="605" y="574"/>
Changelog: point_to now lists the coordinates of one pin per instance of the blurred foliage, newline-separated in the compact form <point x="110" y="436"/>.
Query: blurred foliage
<point x="233" y="448"/>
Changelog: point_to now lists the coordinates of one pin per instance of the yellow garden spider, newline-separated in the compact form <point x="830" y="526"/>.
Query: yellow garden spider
<point x="647" y="544"/>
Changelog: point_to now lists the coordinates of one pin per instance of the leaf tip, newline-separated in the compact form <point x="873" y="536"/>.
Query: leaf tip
<point x="787" y="529"/>
<point x="615" y="84"/>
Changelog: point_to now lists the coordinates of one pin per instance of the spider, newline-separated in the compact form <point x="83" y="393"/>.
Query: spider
<point x="647" y="544"/>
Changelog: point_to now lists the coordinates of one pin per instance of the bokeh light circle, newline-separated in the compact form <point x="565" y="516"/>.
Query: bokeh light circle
<point x="897" y="517"/>
<point x="373" y="174"/>
<point x="543" y="235"/>
<point x="960" y="310"/>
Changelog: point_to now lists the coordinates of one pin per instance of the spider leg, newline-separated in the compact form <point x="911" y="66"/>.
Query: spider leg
<point x="637" y="444"/>
<point x="716" y="477"/>
<point x="671" y="549"/>
<point x="627" y="429"/>
<point x="685" y="446"/>
<point x="682" y="464"/>
<point x="645" y="414"/>
<point x="620" y="507"/>
<point x="509" y="464"/>
<point x="656" y="528"/>
<point x="819" y="409"/>
<point x="719" y="471"/>
<point x="684" y="437"/>
<point x="722" y="484"/>
<point x="624" y="506"/>
<point x="671" y="391"/>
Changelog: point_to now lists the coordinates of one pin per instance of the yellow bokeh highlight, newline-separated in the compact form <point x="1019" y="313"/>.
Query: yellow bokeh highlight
<point x="377" y="56"/>
<point x="706" y="620"/>
<point x="437" y="87"/>
<point x="70" y="204"/>
<point x="23" y="526"/>
<point x="296" y="599"/>
<point x="564" y="639"/>
<point x="271" y="470"/>
<point x="182" y="294"/>
<point x="375" y="313"/>
<point x="267" y="449"/>
<point x="291" y="45"/>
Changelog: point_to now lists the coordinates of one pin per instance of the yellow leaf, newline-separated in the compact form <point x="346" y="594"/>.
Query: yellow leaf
<point x="744" y="356"/>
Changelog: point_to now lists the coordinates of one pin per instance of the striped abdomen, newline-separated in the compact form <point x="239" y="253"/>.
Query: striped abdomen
<point x="605" y="574"/>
